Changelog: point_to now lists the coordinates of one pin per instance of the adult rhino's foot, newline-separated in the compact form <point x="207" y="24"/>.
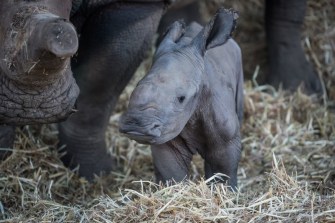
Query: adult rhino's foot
<point x="289" y="68"/>
<point x="89" y="153"/>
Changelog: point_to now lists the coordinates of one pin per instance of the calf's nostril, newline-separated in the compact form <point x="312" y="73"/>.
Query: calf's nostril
<point x="155" y="126"/>
<point x="155" y="130"/>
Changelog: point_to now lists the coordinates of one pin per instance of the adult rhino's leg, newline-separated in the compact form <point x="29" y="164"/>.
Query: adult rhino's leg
<point x="186" y="10"/>
<point x="113" y="43"/>
<point x="7" y="135"/>
<point x="287" y="62"/>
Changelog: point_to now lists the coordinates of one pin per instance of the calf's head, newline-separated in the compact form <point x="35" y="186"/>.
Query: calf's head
<point x="165" y="99"/>
<point x="36" y="44"/>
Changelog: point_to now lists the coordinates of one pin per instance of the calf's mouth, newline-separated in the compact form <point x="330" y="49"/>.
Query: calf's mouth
<point x="140" y="128"/>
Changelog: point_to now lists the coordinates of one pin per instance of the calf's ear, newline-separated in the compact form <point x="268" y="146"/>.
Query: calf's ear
<point x="171" y="36"/>
<point x="217" y="31"/>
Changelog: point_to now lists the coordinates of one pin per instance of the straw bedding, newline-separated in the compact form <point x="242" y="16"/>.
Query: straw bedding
<point x="286" y="174"/>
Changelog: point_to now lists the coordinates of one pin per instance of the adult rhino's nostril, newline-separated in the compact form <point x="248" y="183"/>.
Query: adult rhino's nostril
<point x="55" y="35"/>
<point x="61" y="39"/>
<point x="52" y="34"/>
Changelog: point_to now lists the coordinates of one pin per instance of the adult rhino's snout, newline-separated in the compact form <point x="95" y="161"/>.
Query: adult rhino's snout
<point x="43" y="57"/>
<point x="54" y="35"/>
<point x="62" y="39"/>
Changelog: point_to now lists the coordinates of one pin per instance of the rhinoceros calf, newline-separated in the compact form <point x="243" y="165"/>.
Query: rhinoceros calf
<point x="191" y="101"/>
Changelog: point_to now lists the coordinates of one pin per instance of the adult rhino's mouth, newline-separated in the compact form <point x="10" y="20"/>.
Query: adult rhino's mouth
<point x="22" y="104"/>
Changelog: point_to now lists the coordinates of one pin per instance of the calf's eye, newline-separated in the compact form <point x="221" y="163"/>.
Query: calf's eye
<point x="181" y="99"/>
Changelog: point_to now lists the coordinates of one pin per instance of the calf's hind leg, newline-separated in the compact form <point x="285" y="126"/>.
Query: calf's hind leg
<point x="112" y="45"/>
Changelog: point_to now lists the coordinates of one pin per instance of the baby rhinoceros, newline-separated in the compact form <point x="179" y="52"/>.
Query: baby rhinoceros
<point x="191" y="101"/>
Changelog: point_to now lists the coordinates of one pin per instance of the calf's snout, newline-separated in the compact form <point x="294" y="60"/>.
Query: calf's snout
<point x="138" y="125"/>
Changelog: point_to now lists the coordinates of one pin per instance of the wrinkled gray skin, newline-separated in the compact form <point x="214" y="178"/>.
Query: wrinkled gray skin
<point x="191" y="101"/>
<point x="37" y="40"/>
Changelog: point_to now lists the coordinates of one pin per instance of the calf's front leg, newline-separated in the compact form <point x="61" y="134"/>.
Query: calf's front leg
<point x="171" y="162"/>
<point x="223" y="157"/>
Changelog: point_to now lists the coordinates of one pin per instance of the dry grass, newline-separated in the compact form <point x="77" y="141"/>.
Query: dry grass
<point x="287" y="171"/>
